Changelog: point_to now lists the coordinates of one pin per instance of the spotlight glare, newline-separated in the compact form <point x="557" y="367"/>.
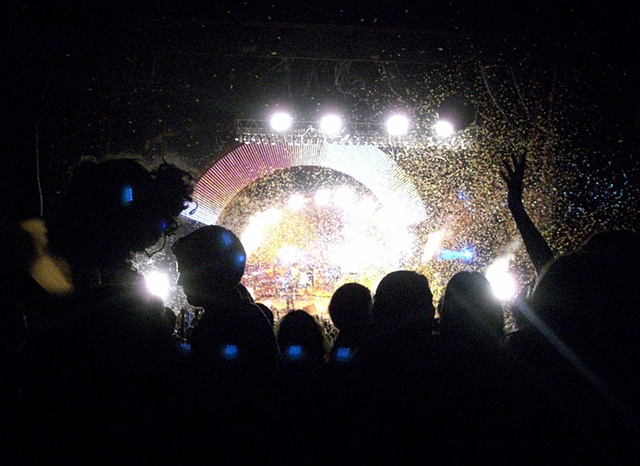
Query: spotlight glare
<point x="281" y="121"/>
<point x="350" y="257"/>
<point x="466" y="254"/>
<point x="444" y="129"/>
<point x="253" y="235"/>
<point x="397" y="125"/>
<point x="504" y="287"/>
<point x="288" y="254"/>
<point x="503" y="283"/>
<point x="296" y="202"/>
<point x="322" y="197"/>
<point x="344" y="197"/>
<point x="434" y="240"/>
<point x="367" y="206"/>
<point x="331" y="124"/>
<point x="157" y="284"/>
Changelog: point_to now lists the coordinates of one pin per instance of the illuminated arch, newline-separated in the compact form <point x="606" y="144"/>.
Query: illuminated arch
<point x="366" y="163"/>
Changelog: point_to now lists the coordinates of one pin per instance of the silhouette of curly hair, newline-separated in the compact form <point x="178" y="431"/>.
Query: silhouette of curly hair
<point x="117" y="207"/>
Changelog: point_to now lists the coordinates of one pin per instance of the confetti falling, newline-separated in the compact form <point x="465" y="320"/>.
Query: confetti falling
<point x="456" y="182"/>
<point x="366" y="163"/>
<point x="177" y="100"/>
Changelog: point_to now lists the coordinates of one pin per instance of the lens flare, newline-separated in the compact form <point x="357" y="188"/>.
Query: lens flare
<point x="444" y="129"/>
<point x="397" y="125"/>
<point x="331" y="124"/>
<point x="158" y="284"/>
<point x="281" y="121"/>
<point x="503" y="283"/>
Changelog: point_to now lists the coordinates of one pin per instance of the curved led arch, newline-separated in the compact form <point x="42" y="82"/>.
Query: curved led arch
<point x="366" y="163"/>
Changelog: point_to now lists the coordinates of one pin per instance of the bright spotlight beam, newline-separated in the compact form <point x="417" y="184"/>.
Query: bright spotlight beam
<point x="288" y="254"/>
<point x="296" y="202"/>
<point x="344" y="197"/>
<point x="503" y="286"/>
<point x="502" y="281"/>
<point x="158" y="284"/>
<point x="322" y="197"/>
<point x="571" y="356"/>
<point x="281" y="121"/>
<point x="444" y="129"/>
<point x="331" y="125"/>
<point x="397" y="125"/>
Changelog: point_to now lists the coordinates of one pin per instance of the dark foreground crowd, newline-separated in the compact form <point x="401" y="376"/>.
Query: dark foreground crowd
<point x="93" y="371"/>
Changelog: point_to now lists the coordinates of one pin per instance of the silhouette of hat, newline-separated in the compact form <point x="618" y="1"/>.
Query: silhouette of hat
<point x="212" y="249"/>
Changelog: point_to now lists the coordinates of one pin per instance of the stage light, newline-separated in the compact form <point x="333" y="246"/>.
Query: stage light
<point x="384" y="217"/>
<point x="253" y="235"/>
<point x="271" y="216"/>
<point x="344" y="197"/>
<point x="397" y="125"/>
<point x="457" y="111"/>
<point x="389" y="218"/>
<point x="296" y="202"/>
<point x="434" y="240"/>
<point x="444" y="129"/>
<point x="322" y="197"/>
<point x="367" y="206"/>
<point x="281" y="121"/>
<point x="465" y="255"/>
<point x="402" y="241"/>
<point x="158" y="284"/>
<point x="288" y="254"/>
<point x="504" y="286"/>
<point x="330" y="124"/>
<point x="349" y="257"/>
<point x="502" y="281"/>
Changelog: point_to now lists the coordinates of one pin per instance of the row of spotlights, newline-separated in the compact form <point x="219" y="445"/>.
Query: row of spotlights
<point x="396" y="125"/>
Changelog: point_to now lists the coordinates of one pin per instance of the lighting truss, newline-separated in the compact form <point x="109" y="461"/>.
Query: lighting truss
<point x="306" y="132"/>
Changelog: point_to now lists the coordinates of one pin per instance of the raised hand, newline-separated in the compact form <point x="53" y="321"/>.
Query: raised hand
<point x="537" y="248"/>
<point x="513" y="175"/>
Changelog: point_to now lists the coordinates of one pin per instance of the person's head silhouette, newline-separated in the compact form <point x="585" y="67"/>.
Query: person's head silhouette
<point x="211" y="262"/>
<point x="117" y="207"/>
<point x="470" y="310"/>
<point x="404" y="298"/>
<point x="350" y="305"/>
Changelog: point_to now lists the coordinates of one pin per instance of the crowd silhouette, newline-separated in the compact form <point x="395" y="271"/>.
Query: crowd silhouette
<point x="94" y="370"/>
